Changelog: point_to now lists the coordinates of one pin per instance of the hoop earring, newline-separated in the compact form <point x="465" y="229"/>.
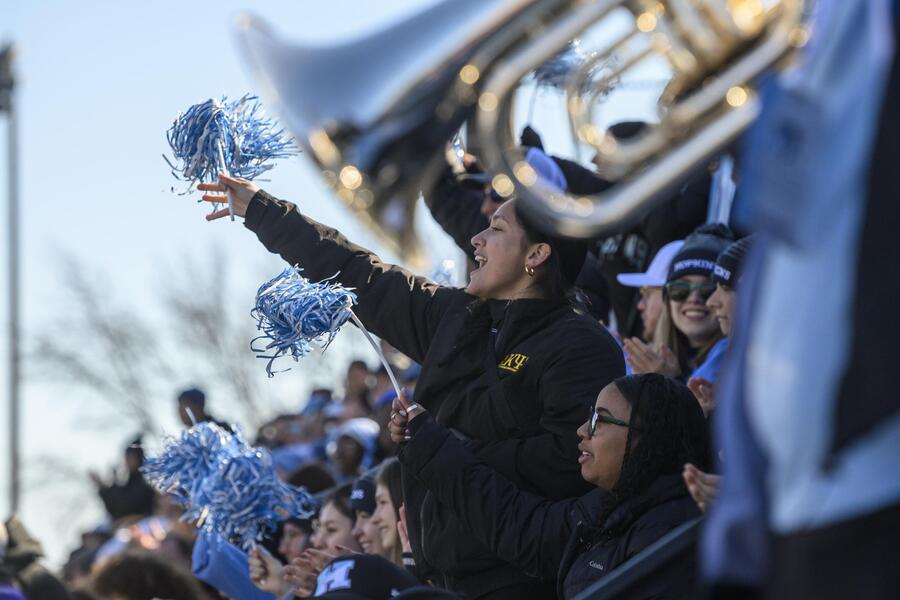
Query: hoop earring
<point x="529" y="271"/>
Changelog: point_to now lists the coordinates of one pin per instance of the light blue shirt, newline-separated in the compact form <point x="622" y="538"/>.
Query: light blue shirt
<point x="709" y="370"/>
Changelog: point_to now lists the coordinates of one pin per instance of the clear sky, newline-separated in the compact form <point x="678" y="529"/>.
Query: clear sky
<point x="99" y="84"/>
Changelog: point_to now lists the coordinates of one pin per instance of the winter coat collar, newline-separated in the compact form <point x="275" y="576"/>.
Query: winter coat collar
<point x="664" y="489"/>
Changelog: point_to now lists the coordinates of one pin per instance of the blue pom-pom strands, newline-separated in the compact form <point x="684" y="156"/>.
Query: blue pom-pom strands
<point x="294" y="313"/>
<point x="229" y="489"/>
<point x="232" y="138"/>
<point x="556" y="71"/>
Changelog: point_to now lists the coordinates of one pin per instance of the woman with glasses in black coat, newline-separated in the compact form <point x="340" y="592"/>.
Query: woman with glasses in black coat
<point x="641" y="430"/>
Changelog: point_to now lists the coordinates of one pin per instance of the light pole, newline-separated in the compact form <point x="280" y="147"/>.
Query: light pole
<point x="7" y="106"/>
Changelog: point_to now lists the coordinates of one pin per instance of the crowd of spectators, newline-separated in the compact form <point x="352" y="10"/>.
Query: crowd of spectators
<point x="559" y="411"/>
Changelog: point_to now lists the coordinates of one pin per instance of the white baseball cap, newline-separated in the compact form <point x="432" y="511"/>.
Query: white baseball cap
<point x="656" y="273"/>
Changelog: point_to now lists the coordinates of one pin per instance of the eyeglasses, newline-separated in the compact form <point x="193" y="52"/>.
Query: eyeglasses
<point x="596" y="418"/>
<point x="681" y="289"/>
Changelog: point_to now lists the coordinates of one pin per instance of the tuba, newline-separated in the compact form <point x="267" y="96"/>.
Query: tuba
<point x="376" y="114"/>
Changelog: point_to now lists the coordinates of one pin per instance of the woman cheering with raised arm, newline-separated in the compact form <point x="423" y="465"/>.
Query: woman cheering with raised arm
<point x="507" y="363"/>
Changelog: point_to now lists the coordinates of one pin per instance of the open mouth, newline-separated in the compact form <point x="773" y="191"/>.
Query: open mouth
<point x="693" y="313"/>
<point x="480" y="260"/>
<point x="584" y="456"/>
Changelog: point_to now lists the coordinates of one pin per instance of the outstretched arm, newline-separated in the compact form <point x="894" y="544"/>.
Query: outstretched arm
<point x="394" y="304"/>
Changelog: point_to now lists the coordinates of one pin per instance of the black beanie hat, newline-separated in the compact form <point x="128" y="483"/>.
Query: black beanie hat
<point x="731" y="260"/>
<point x="700" y="250"/>
<point x="362" y="577"/>
<point x="362" y="497"/>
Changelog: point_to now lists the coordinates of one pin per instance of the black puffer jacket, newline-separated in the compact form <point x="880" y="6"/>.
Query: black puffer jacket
<point x="545" y="538"/>
<point x="514" y="378"/>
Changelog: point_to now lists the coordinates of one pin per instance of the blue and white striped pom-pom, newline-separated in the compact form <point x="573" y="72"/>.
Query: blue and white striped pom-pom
<point x="555" y="72"/>
<point x="228" y="488"/>
<point x="188" y="460"/>
<point x="246" y="498"/>
<point x="247" y="140"/>
<point x="293" y="313"/>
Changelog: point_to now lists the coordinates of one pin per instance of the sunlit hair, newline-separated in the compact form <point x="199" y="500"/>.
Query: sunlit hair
<point x="389" y="475"/>
<point x="668" y="335"/>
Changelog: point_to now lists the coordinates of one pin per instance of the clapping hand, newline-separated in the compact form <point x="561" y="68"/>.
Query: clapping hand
<point x="703" y="487"/>
<point x="703" y="391"/>
<point x="644" y="359"/>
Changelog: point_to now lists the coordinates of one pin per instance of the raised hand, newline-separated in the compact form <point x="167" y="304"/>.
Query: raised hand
<point x="241" y="190"/>
<point x="266" y="572"/>
<point x="402" y="412"/>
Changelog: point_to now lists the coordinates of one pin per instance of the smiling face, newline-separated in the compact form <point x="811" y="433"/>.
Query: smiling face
<point x="502" y="253"/>
<point x="601" y="454"/>
<point x="367" y="534"/>
<point x="692" y="317"/>
<point x="721" y="303"/>
<point x="385" y="519"/>
<point x="335" y="529"/>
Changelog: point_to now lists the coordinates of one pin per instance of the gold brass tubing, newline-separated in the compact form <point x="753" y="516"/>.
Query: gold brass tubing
<point x="774" y="45"/>
<point x="693" y="31"/>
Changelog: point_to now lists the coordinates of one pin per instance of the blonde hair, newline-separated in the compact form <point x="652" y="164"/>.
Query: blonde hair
<point x="667" y="334"/>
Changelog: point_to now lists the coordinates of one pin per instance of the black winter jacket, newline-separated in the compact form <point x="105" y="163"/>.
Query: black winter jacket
<point x="545" y="538"/>
<point x="513" y="378"/>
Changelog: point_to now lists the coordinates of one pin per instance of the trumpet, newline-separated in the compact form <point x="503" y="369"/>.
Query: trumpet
<point x="376" y="113"/>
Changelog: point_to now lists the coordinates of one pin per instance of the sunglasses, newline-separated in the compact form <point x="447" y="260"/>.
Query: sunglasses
<point x="597" y="418"/>
<point x="680" y="289"/>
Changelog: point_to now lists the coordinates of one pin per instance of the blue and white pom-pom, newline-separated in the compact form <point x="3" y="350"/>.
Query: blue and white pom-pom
<point x="446" y="274"/>
<point x="293" y="313"/>
<point x="187" y="461"/>
<point x="228" y="488"/>
<point x="219" y="136"/>
<point x="556" y="71"/>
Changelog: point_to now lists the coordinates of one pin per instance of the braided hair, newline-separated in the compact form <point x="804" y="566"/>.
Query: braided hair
<point x="673" y="431"/>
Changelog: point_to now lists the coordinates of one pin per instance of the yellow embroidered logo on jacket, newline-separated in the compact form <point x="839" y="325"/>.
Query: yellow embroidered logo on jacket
<point x="513" y="362"/>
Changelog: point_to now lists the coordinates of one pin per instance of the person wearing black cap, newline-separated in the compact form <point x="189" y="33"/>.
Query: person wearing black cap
<point x="366" y="577"/>
<point x="362" y="501"/>
<point x="688" y="340"/>
<point x="703" y="486"/>
<point x="506" y="362"/>
<point x="727" y="273"/>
